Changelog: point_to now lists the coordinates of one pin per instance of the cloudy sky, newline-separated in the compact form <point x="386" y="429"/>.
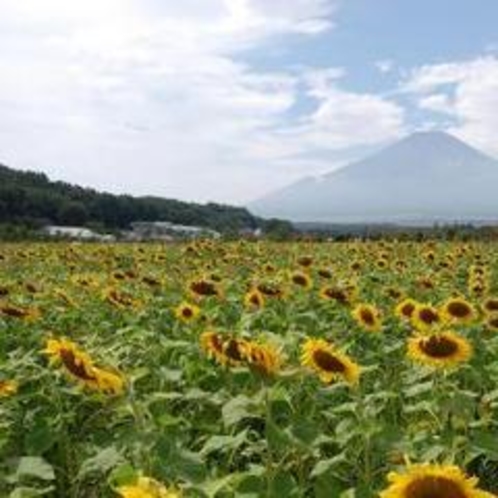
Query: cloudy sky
<point x="226" y="100"/>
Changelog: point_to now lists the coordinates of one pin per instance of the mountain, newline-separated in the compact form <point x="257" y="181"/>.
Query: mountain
<point x="427" y="177"/>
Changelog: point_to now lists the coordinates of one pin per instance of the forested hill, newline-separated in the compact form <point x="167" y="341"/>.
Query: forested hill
<point x="30" y="197"/>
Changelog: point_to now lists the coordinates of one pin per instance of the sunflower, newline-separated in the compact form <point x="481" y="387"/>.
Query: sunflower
<point x="80" y="366"/>
<point x="425" y="317"/>
<point x="305" y="261"/>
<point x="236" y="350"/>
<point x="254" y="299"/>
<point x="394" y="293"/>
<point x="120" y="299"/>
<point x="301" y="279"/>
<point x="108" y="382"/>
<point x="425" y="283"/>
<point x="20" y="312"/>
<point x="432" y="481"/>
<point x="442" y="350"/>
<point x="328" y="363"/>
<point x="457" y="310"/>
<point x="368" y="317"/>
<point x="8" y="388"/>
<point x="204" y="287"/>
<point x="151" y="281"/>
<point x="87" y="281"/>
<point x="263" y="358"/>
<point x="271" y="289"/>
<point x="268" y="268"/>
<point x="212" y="344"/>
<point x="355" y="266"/>
<point x="226" y="350"/>
<point x="490" y="305"/>
<point x="187" y="312"/>
<point x="492" y="321"/>
<point x="325" y="273"/>
<point x="118" y="276"/>
<point x="145" y="487"/>
<point x="405" y="309"/>
<point x="337" y="294"/>
<point x="477" y="285"/>
<point x="64" y="296"/>
<point x="381" y="264"/>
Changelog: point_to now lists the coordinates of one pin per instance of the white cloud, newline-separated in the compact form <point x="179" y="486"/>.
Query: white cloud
<point x="345" y="119"/>
<point x="384" y="65"/>
<point x="155" y="97"/>
<point x="437" y="102"/>
<point x="467" y="92"/>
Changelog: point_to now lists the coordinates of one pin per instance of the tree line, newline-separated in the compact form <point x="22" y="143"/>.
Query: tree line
<point x="31" y="199"/>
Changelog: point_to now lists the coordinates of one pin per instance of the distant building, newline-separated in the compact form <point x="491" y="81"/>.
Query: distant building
<point x="167" y="231"/>
<point x="79" y="233"/>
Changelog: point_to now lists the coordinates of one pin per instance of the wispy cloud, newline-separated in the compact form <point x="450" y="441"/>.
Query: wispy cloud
<point x="466" y="92"/>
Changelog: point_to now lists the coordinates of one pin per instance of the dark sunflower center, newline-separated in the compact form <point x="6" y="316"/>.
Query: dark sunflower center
<point x="187" y="312"/>
<point x="216" y="343"/>
<point x="428" y="316"/>
<point x="305" y="261"/>
<point x="328" y="362"/>
<point x="299" y="280"/>
<point x="204" y="288"/>
<point x="367" y="317"/>
<point x="233" y="350"/>
<point x="269" y="290"/>
<point x="76" y="368"/>
<point x="407" y="310"/>
<point x="493" y="322"/>
<point x="336" y="294"/>
<point x="434" y="487"/>
<point x="458" y="309"/>
<point x="439" y="347"/>
<point x="14" y="312"/>
<point x="492" y="305"/>
<point x="255" y="299"/>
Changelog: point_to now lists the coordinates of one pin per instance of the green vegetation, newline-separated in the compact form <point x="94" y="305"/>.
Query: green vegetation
<point x="31" y="200"/>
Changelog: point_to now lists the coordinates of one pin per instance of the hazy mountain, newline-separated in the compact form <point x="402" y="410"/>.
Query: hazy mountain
<point x="428" y="176"/>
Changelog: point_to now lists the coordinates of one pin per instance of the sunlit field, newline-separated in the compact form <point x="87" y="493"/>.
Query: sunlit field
<point x="249" y="369"/>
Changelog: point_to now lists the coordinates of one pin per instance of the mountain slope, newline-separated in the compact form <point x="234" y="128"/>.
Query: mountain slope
<point x="429" y="176"/>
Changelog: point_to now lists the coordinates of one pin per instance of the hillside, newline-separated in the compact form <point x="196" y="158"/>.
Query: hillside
<point x="425" y="178"/>
<point x="32" y="198"/>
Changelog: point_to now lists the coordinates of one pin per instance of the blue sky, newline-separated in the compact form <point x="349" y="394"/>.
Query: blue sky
<point x="226" y="100"/>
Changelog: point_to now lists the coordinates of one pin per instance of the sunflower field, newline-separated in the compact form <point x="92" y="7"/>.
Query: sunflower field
<point x="249" y="369"/>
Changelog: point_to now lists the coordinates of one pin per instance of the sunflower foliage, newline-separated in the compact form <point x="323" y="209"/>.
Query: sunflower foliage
<point x="258" y="369"/>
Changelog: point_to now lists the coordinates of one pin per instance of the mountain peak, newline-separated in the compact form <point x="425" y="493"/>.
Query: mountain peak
<point x="434" y="142"/>
<point x="429" y="175"/>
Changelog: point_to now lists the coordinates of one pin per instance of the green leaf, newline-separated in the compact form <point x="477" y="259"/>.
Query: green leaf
<point x="485" y="443"/>
<point x="40" y="437"/>
<point x="237" y="409"/>
<point x="433" y="453"/>
<point x="123" y="475"/>
<point x="417" y="389"/>
<point x="102" y="463"/>
<point x="283" y="484"/>
<point x="278" y="439"/>
<point x="213" y="486"/>
<point x="35" y="467"/>
<point x="188" y="466"/>
<point x="325" y="466"/>
<point x="223" y="443"/>
<point x="24" y="492"/>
